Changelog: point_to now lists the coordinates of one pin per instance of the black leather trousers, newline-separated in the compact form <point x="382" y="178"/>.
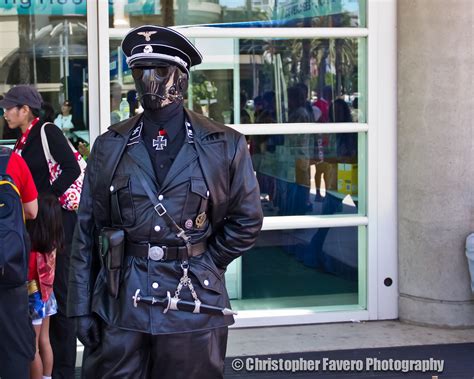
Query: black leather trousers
<point x="129" y="354"/>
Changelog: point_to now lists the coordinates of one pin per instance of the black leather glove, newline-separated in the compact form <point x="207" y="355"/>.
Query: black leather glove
<point x="88" y="330"/>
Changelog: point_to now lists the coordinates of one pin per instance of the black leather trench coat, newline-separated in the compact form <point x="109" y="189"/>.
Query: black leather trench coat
<point x="227" y="183"/>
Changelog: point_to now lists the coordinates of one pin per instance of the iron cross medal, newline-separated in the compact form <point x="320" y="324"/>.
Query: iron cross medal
<point x="160" y="143"/>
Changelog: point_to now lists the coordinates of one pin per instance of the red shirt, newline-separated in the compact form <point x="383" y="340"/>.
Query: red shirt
<point x="21" y="175"/>
<point x="41" y="267"/>
<point x="323" y="105"/>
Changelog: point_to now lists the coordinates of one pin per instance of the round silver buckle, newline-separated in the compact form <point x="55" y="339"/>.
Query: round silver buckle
<point x="155" y="253"/>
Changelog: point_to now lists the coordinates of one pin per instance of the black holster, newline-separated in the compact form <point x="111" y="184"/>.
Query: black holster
<point x="111" y="246"/>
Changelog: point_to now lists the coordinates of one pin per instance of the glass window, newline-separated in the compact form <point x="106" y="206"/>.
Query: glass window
<point x="211" y="93"/>
<point x="240" y="13"/>
<point x="45" y="44"/>
<point x="280" y="81"/>
<point x="277" y="80"/>
<point x="284" y="80"/>
<point x="302" y="268"/>
<point x="301" y="174"/>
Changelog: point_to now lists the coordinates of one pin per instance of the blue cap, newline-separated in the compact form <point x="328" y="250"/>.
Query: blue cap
<point x="22" y="95"/>
<point x="149" y="45"/>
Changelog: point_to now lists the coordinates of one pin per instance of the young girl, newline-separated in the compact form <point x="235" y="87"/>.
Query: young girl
<point x="46" y="233"/>
<point x="64" y="119"/>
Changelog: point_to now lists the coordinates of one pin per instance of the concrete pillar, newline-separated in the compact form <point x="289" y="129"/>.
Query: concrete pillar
<point x="435" y="160"/>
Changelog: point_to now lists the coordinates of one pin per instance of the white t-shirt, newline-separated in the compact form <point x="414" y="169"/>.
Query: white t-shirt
<point x="64" y="122"/>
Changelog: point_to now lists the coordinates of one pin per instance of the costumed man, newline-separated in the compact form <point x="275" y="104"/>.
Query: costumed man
<point x="170" y="199"/>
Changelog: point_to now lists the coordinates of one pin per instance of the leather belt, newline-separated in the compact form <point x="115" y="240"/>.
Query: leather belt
<point x="157" y="252"/>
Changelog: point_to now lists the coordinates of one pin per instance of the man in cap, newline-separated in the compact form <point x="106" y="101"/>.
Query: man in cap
<point x="172" y="198"/>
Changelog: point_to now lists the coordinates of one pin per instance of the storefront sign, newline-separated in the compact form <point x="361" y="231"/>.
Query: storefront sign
<point x="141" y="7"/>
<point x="298" y="9"/>
<point x="46" y="7"/>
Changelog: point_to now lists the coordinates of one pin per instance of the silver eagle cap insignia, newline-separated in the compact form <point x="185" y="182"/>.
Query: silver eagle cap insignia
<point x="147" y="35"/>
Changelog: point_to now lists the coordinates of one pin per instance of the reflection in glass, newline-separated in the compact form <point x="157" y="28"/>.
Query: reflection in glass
<point x="292" y="80"/>
<point x="211" y="92"/>
<point x="301" y="174"/>
<point x="302" y="267"/>
<point x="273" y="81"/>
<point x="123" y="96"/>
<point x="43" y="47"/>
<point x="239" y="13"/>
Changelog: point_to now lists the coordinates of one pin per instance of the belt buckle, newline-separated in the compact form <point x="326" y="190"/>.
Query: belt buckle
<point x="160" y="209"/>
<point x="156" y="253"/>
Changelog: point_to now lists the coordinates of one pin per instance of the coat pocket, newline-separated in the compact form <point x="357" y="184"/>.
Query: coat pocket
<point x="196" y="203"/>
<point x="209" y="279"/>
<point x="122" y="207"/>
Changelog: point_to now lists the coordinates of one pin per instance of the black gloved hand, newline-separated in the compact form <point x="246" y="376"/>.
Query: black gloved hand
<point x="88" y="330"/>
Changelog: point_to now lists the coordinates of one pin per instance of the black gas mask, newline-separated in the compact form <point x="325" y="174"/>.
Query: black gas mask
<point x="159" y="85"/>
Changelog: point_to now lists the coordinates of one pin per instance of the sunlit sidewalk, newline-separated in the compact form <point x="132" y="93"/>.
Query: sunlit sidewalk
<point x="305" y="339"/>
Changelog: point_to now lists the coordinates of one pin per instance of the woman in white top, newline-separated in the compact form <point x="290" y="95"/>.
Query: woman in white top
<point x="64" y="119"/>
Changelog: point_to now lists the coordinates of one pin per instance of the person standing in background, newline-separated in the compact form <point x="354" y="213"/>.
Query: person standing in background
<point x="323" y="102"/>
<point x="299" y="111"/>
<point x="22" y="106"/>
<point x="46" y="234"/>
<point x="115" y="99"/>
<point x="64" y="120"/>
<point x="17" y="342"/>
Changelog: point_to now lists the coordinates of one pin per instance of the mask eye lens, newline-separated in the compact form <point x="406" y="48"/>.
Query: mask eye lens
<point x="137" y="73"/>
<point x="162" y="71"/>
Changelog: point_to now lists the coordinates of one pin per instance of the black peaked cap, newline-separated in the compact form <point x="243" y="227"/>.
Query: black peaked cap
<point x="150" y="44"/>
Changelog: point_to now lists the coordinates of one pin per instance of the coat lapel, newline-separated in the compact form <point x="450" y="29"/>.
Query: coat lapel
<point x="213" y="159"/>
<point x="186" y="155"/>
<point x="139" y="154"/>
<point x="109" y="150"/>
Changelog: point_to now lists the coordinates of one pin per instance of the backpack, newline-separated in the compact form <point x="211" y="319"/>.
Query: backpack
<point x="14" y="240"/>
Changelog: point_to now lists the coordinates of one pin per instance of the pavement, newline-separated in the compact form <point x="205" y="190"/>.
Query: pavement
<point x="352" y="341"/>
<point x="336" y="336"/>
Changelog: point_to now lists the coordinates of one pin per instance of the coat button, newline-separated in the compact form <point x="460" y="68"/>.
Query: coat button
<point x="155" y="285"/>
<point x="206" y="282"/>
<point x="111" y="188"/>
<point x="160" y="197"/>
<point x="157" y="228"/>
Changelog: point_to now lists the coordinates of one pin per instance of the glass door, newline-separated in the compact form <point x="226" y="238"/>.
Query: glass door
<point x="45" y="44"/>
<point x="303" y="82"/>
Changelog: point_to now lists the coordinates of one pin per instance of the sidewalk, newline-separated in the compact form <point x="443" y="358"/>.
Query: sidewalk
<point x="356" y="342"/>
<point x="337" y="336"/>
<point x="349" y="341"/>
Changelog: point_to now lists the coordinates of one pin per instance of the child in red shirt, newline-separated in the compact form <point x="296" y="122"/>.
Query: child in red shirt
<point x="46" y="233"/>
